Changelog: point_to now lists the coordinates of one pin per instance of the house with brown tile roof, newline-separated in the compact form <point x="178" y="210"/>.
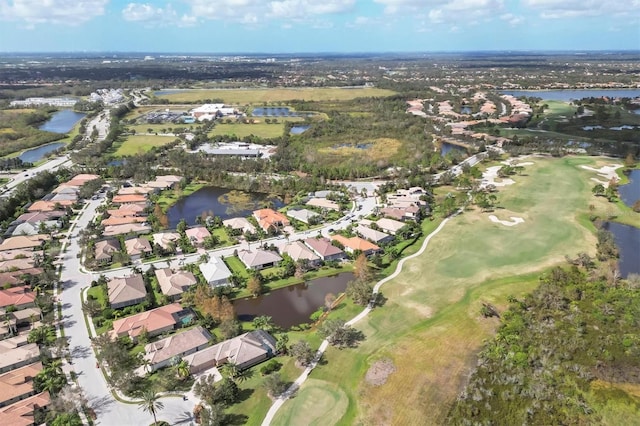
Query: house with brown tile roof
<point x="197" y="235"/>
<point x="132" y="190"/>
<point x="126" y="291"/>
<point x="21" y="413"/>
<point x="103" y="250"/>
<point x="269" y="218"/>
<point x="24" y="242"/>
<point x="323" y="248"/>
<point x="298" y="251"/>
<point x="127" y="228"/>
<point x="129" y="198"/>
<point x="15" y="352"/>
<point x="17" y="384"/>
<point x="156" y="321"/>
<point x="160" y="354"/>
<point x="173" y="284"/>
<point x="389" y="225"/>
<point x="20" y="254"/>
<point x="16" y="264"/>
<point x="138" y="248"/>
<point x="14" y="278"/>
<point x="114" y="220"/>
<point x="126" y="210"/>
<point x="356" y="244"/>
<point x="373" y="235"/>
<point x="259" y="259"/>
<point x="21" y="297"/>
<point x="35" y="217"/>
<point x="244" y="351"/>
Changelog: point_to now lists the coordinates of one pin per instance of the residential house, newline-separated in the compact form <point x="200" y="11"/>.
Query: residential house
<point x="37" y="217"/>
<point x="126" y="291"/>
<point x="17" y="384"/>
<point x="21" y="413"/>
<point x="14" y="278"/>
<point x="197" y="235"/>
<point x="411" y="212"/>
<point x="259" y="259"/>
<point x="136" y="190"/>
<point x="49" y="206"/>
<point x="373" y="235"/>
<point x="126" y="210"/>
<point x="173" y="284"/>
<point x="160" y="354"/>
<point x="323" y="203"/>
<point x="16" y="264"/>
<point x="81" y="179"/>
<point x="127" y="228"/>
<point x="20" y="254"/>
<point x="27" y="228"/>
<point x="303" y="215"/>
<point x="240" y="223"/>
<point x="324" y="193"/>
<point x="129" y="198"/>
<point x="166" y="240"/>
<point x="115" y="220"/>
<point x="156" y="321"/>
<point x="27" y="316"/>
<point x="323" y="248"/>
<point x="16" y="352"/>
<point x="270" y="219"/>
<point x="244" y="351"/>
<point x="24" y="242"/>
<point x="354" y="244"/>
<point x="216" y="272"/>
<point x="138" y="248"/>
<point x="163" y="182"/>
<point x="103" y="250"/>
<point x="389" y="225"/>
<point x="298" y="251"/>
<point x="21" y="297"/>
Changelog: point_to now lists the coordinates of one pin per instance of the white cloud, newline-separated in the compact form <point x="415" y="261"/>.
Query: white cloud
<point x="512" y="19"/>
<point x="445" y="11"/>
<point x="557" y="9"/>
<point x="156" y="16"/>
<point x="259" y="11"/>
<point x="68" y="12"/>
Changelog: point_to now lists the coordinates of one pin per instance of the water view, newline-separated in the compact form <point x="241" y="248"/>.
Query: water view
<point x="221" y="202"/>
<point x="293" y="305"/>
<point x="37" y="154"/>
<point x="628" y="240"/>
<point x="630" y="193"/>
<point x="296" y="130"/>
<point x="273" y="112"/>
<point x="447" y="148"/>
<point x="568" y="95"/>
<point x="62" y="121"/>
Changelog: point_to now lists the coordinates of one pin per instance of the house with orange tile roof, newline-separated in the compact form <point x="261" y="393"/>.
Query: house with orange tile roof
<point x="354" y="244"/>
<point x="127" y="210"/>
<point x="156" y="321"/>
<point x="14" y="278"/>
<point x="173" y="284"/>
<point x="49" y="206"/>
<point x="21" y="297"/>
<point x="24" y="242"/>
<point x="113" y="221"/>
<point x="21" y="413"/>
<point x="81" y="179"/>
<point x="126" y="291"/>
<point x="17" y="384"/>
<point x="130" y="198"/>
<point x="126" y="228"/>
<point x="269" y="218"/>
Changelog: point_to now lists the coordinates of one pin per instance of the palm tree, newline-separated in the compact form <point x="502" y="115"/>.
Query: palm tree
<point x="182" y="369"/>
<point x="263" y="322"/>
<point x="230" y="369"/>
<point x="150" y="403"/>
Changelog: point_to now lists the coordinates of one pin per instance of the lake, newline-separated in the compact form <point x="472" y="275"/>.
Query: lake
<point x="273" y="112"/>
<point x="62" y="121"/>
<point x="447" y="148"/>
<point x="628" y="241"/>
<point x="292" y="305"/>
<point x="630" y="193"/>
<point x="223" y="202"/>
<point x="568" y="95"/>
<point x="36" y="154"/>
<point x="296" y="130"/>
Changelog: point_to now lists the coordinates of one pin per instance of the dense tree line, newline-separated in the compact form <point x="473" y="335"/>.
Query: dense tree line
<point x="576" y="328"/>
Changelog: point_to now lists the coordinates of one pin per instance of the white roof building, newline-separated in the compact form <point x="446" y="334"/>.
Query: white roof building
<point x="216" y="272"/>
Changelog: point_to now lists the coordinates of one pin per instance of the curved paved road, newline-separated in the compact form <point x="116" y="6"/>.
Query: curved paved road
<point x="323" y="347"/>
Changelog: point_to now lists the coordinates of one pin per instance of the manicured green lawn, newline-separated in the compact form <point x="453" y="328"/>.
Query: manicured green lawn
<point x="240" y="130"/>
<point x="430" y="325"/>
<point x="141" y="144"/>
<point x="317" y="403"/>
<point x="261" y="96"/>
<point x="236" y="266"/>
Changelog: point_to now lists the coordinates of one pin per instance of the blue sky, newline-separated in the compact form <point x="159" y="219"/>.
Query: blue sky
<point x="284" y="26"/>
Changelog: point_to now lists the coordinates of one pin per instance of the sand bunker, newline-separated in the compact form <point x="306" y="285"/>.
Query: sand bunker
<point x="491" y="174"/>
<point x="379" y="371"/>
<point x="513" y="222"/>
<point x="606" y="172"/>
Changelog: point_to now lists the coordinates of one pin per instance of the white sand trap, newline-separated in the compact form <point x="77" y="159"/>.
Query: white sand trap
<point x="606" y="172"/>
<point x="491" y="174"/>
<point x="513" y="222"/>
